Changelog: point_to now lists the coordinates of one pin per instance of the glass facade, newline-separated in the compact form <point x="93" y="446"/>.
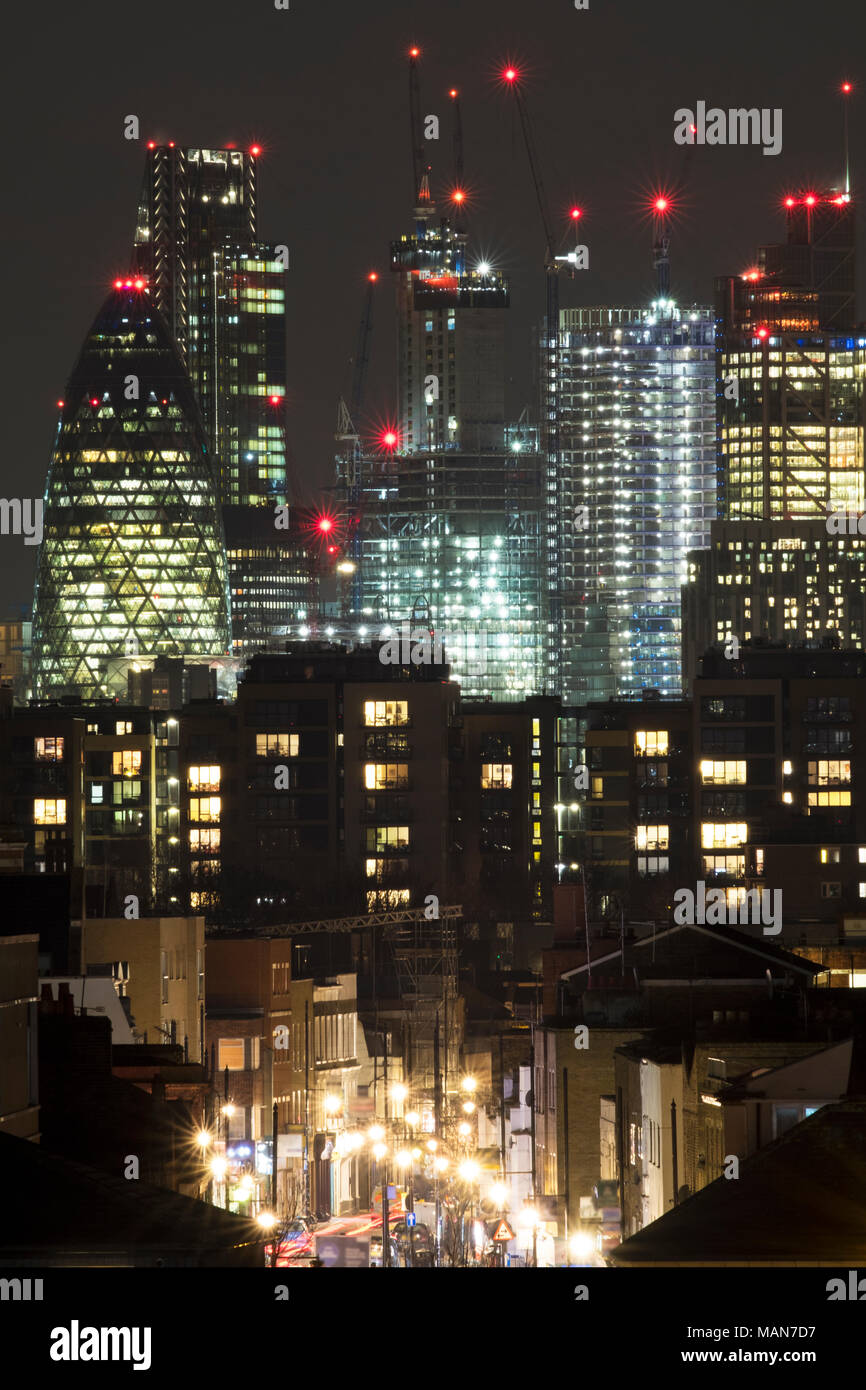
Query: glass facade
<point x="132" y="562"/>
<point x="637" y="401"/>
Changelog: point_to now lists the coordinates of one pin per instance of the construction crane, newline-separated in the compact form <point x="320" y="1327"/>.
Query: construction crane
<point x="550" y="397"/>
<point x="397" y="917"/>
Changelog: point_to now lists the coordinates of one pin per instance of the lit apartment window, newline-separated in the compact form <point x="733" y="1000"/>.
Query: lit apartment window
<point x="126" y="762"/>
<point x="204" y="808"/>
<point x="727" y="772"/>
<point x="383" y="839"/>
<point x="231" y="1054"/>
<point x="724" y="865"/>
<point x="277" y="745"/>
<point x="48" y="750"/>
<point x="386" y="776"/>
<point x="829" y="798"/>
<point x="826" y="771"/>
<point x="861" y="854"/>
<point x="829" y="856"/>
<point x="597" y="787"/>
<point x="379" y="713"/>
<point x="651" y="837"/>
<point x="205" y="778"/>
<point x="49" y="812"/>
<point x="787" y="769"/>
<point x="651" y="743"/>
<point x="123" y="726"/>
<point x="204" y="841"/>
<point x="724" y="834"/>
<point x="385" y="899"/>
<point x="495" y="775"/>
<point x="759" y="861"/>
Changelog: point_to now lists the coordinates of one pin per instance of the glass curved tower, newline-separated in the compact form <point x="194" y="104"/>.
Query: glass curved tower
<point x="132" y="562"/>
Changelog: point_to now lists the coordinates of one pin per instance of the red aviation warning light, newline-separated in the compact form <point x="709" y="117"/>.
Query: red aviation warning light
<point x="151" y="144"/>
<point x="458" y="196"/>
<point x="576" y="213"/>
<point x="414" y="52"/>
<point x="763" y="332"/>
<point x="810" y="200"/>
<point x="453" y="93"/>
<point x="790" y="202"/>
<point x="118" y="284"/>
<point x="510" y="74"/>
<point x="846" y="88"/>
<point x="255" y="149"/>
<point x="388" y="439"/>
<point x="373" y="276"/>
<point x="325" y="524"/>
<point x="60" y="405"/>
<point x="94" y="402"/>
<point x="661" y="204"/>
<point x="275" y="400"/>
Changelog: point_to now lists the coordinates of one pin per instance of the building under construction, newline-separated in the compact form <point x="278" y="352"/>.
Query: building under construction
<point x="450" y="502"/>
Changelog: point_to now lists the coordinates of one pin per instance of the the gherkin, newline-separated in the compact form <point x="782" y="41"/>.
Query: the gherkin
<point x="132" y="561"/>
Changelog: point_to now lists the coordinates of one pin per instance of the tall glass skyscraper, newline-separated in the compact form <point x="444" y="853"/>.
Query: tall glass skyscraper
<point x="222" y="292"/>
<point x="637" y="402"/>
<point x="132" y="562"/>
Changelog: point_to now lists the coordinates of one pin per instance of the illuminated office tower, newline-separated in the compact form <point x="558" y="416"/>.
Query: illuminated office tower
<point x="637" y="436"/>
<point x="222" y="292"/>
<point x="132" y="562"/>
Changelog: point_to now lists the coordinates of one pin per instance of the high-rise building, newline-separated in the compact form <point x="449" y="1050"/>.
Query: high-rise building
<point x="452" y="505"/>
<point x="132" y="562"/>
<point x="637" y="432"/>
<point x="222" y="292"/>
<point x="791" y="417"/>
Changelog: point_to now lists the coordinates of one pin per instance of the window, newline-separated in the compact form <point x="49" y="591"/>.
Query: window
<point x="205" y="778"/>
<point x="724" y="865"/>
<point x="831" y="890"/>
<point x="829" y="856"/>
<point x="126" y="763"/>
<point x="378" y="713"/>
<point x="277" y="745"/>
<point x="49" y="812"/>
<point x="649" y="837"/>
<point x="386" y="776"/>
<point x="123" y="726"/>
<point x="204" y="808"/>
<point x="829" y="798"/>
<point x="231" y="1054"/>
<point x="204" y="841"/>
<point x="596" y="787"/>
<point x="48" y="750"/>
<point x="97" y="795"/>
<point x="651" y="743"/>
<point x="824" y="772"/>
<point x="653" y="864"/>
<point x="498" y="745"/>
<point x="723" y="834"/>
<point x="728" y="772"/>
<point x="734" y="707"/>
<point x="828" y="707"/>
<point x="384" y="839"/>
<point x="495" y="775"/>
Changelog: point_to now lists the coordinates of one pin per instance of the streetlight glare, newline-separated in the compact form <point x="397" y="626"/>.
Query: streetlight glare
<point x="399" y="1092"/>
<point x="464" y="1130"/>
<point x="404" y="1158"/>
<point x="469" y="1171"/>
<point x="379" y="1152"/>
<point x="375" y="1132"/>
<point x="266" y="1220"/>
<point x="219" y="1168"/>
<point x="203" y="1139"/>
<point x="413" y="1118"/>
<point x="469" y="1107"/>
<point x="498" y="1193"/>
<point x="469" y="1083"/>
<point x="229" y="1110"/>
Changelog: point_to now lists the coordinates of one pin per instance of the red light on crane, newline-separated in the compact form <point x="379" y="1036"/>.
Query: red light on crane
<point x="576" y="213"/>
<point x="94" y="401"/>
<point x="414" y="53"/>
<point x="60" y="405"/>
<point x="763" y="332"/>
<point x="151" y="144"/>
<point x="388" y="438"/>
<point x="810" y="200"/>
<point x="458" y="196"/>
<point x="139" y="284"/>
<point x="510" y="74"/>
<point x="790" y="202"/>
<point x="846" y="87"/>
<point x="171" y="144"/>
<point x="255" y="149"/>
<point x="373" y="276"/>
<point x="118" y="284"/>
<point x="453" y="93"/>
<point x="661" y="204"/>
<point x="325" y="524"/>
<point x="275" y="400"/>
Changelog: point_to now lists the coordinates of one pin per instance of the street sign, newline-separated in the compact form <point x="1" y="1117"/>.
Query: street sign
<point x="343" y="1252"/>
<point x="503" y="1231"/>
<point x="410" y="1218"/>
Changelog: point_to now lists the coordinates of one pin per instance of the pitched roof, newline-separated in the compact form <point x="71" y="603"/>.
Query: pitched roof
<point x="799" y="1201"/>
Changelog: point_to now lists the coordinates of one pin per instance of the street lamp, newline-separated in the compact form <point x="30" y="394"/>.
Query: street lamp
<point x="468" y="1083"/>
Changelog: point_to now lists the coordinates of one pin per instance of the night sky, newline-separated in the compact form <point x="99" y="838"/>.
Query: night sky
<point x="323" y="88"/>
